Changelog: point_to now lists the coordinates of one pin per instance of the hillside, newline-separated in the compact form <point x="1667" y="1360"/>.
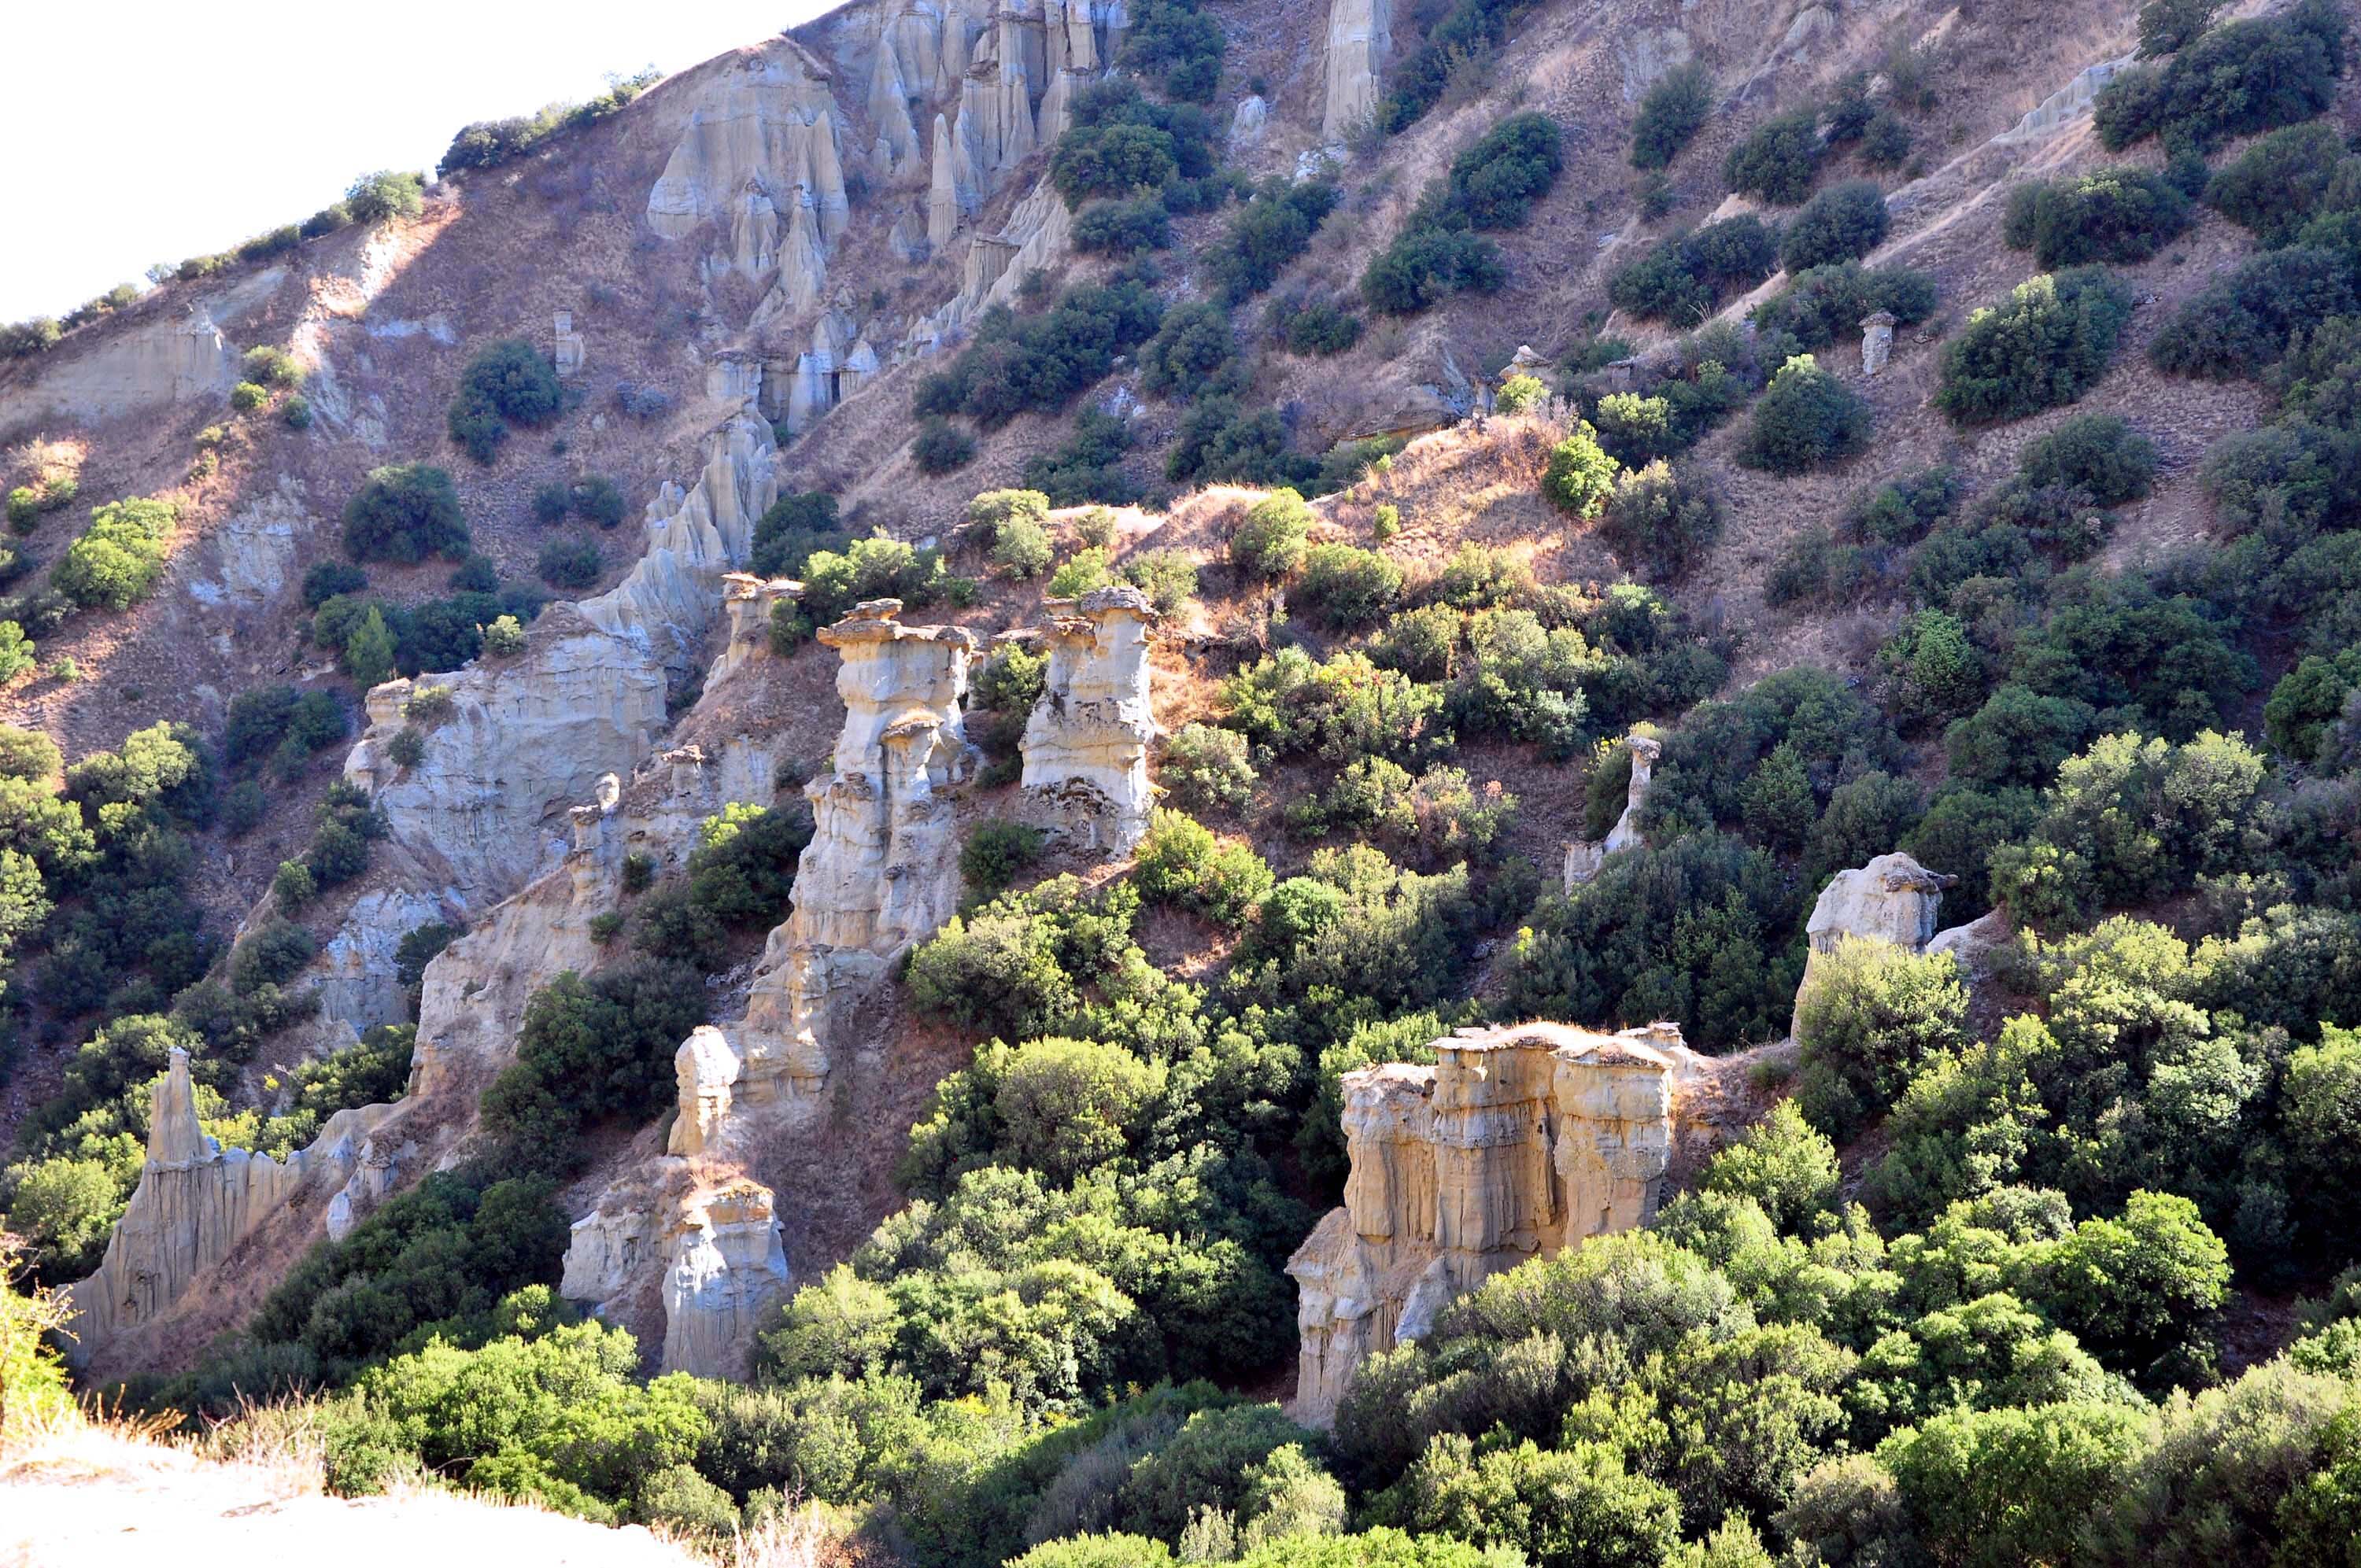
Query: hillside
<point x="1528" y="780"/>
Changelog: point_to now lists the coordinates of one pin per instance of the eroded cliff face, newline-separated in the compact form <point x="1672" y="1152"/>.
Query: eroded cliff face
<point x="1085" y="745"/>
<point x="881" y="873"/>
<point x="1360" y="36"/>
<point x="1892" y="899"/>
<point x="1517" y="1143"/>
<point x="485" y="811"/>
<point x="196" y="1201"/>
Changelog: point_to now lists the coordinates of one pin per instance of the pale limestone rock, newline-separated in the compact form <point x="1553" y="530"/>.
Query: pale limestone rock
<point x="1247" y="120"/>
<point x="569" y="353"/>
<point x="706" y="1069"/>
<point x="1876" y="341"/>
<point x="1974" y="945"/>
<point x="728" y="1273"/>
<point x="1037" y="236"/>
<point x="765" y="123"/>
<point x="1085" y="745"/>
<point x="951" y="191"/>
<point x="1058" y="103"/>
<point x="165" y="359"/>
<point x="889" y="112"/>
<point x="1583" y="856"/>
<point x="196" y="1201"/>
<point x="749" y="603"/>
<point x="1892" y="899"/>
<point x="248" y="556"/>
<point x="1359" y="37"/>
<point x="607" y="1251"/>
<point x="882" y="871"/>
<point x="353" y="975"/>
<point x="1519" y="1142"/>
<point x="2068" y="104"/>
<point x="733" y="375"/>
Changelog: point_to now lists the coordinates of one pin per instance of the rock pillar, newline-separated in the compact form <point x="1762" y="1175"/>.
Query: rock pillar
<point x="1085" y="746"/>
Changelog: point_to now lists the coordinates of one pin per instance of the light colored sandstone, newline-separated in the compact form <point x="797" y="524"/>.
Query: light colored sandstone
<point x="1085" y="745"/>
<point x="728" y="1273"/>
<point x="1892" y="899"/>
<point x="1359" y="38"/>
<point x="706" y="1069"/>
<point x="1583" y="857"/>
<point x="1519" y="1142"/>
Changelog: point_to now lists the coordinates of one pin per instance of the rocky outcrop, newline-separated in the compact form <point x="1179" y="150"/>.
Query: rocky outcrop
<point x="485" y="810"/>
<point x="1517" y="1143"/>
<point x="881" y="873"/>
<point x="749" y="601"/>
<point x="2068" y="104"/>
<point x="1584" y="856"/>
<point x="196" y="1201"/>
<point x="1359" y="37"/>
<point x="1037" y="236"/>
<point x="763" y="129"/>
<point x="1892" y="899"/>
<point x="727" y="1271"/>
<point x="171" y="357"/>
<point x="1085" y="746"/>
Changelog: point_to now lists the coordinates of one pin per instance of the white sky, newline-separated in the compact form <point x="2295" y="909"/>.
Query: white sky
<point x="139" y="131"/>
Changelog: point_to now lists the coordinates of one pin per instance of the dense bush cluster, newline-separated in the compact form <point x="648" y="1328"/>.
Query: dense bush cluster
<point x="487" y="144"/>
<point x="1687" y="276"/>
<point x="511" y="382"/>
<point x="2247" y="76"/>
<point x="2046" y="344"/>
<point x="1490" y="186"/>
<point x="119" y="558"/>
<point x="1014" y="364"/>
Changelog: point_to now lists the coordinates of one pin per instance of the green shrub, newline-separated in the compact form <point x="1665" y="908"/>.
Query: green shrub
<point x="2099" y="454"/>
<point x="1167" y="578"/>
<point x="246" y="397"/>
<point x="2048" y="345"/>
<point x="327" y="580"/>
<point x="1179" y="863"/>
<point x="550" y="503"/>
<point x="509" y="382"/>
<point x="1087" y="468"/>
<point x="996" y="853"/>
<point x="1687" y="276"/>
<point x="2274" y="186"/>
<point x="297" y="411"/>
<point x="1886" y="141"/>
<point x="1021" y="547"/>
<point x="1349" y="588"/>
<point x="1040" y="363"/>
<point x="1314" y="326"/>
<point x="940" y="446"/>
<point x="504" y="638"/>
<point x="406" y="512"/>
<point x="119" y="559"/>
<point x="1495" y="182"/>
<point x="272" y="366"/>
<point x="1518" y="393"/>
<point x="1123" y="228"/>
<point x="598" y="500"/>
<point x="1271" y="543"/>
<point x="1192" y="353"/>
<point x="1580" y="476"/>
<point x="1871" y="1018"/>
<point x="1837" y="224"/>
<point x="1425" y="265"/>
<point x="1671" y="112"/>
<point x="1178" y="47"/>
<point x="2121" y="215"/>
<point x="1662" y="519"/>
<point x="1826" y="304"/>
<point x="1206" y="768"/>
<point x="592" y="1048"/>
<point x="1268" y="233"/>
<point x="568" y="562"/>
<point x="2250" y="75"/>
<point x="1806" y="419"/>
<point x="2167" y="27"/>
<point x="790" y="529"/>
<point x="1779" y="160"/>
<point x="2240" y="325"/>
<point x="387" y="193"/>
<point x="1080" y="573"/>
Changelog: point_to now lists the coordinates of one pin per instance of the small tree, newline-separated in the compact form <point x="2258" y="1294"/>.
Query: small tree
<point x="1663" y="518"/>
<point x="1806" y="418"/>
<point x="368" y="651"/>
<point x="406" y="512"/>
<point x="1580" y="475"/>
<point x="1671" y="112"/>
<point x="1838" y="225"/>
<point x="1270" y="544"/>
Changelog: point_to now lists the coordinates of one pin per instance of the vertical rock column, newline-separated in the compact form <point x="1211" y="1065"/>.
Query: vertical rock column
<point x="1359" y="36"/>
<point x="1085" y="746"/>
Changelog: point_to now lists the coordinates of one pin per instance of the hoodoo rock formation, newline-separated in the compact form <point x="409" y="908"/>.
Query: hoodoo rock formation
<point x="880" y="873"/>
<point x="194" y="1202"/>
<point x="1892" y="899"/>
<point x="1584" y="856"/>
<point x="1085" y="746"/>
<point x="1517" y="1143"/>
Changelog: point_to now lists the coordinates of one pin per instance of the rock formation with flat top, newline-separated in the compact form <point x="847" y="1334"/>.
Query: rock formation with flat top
<point x="1517" y="1143"/>
<point x="728" y="1272"/>
<point x="1085" y="746"/>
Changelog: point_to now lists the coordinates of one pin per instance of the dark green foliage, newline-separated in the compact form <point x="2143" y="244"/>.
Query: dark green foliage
<point x="1424" y="265"/>
<point x="1872" y="1017"/>
<point x="1837" y="224"/>
<point x="2100" y="454"/>
<point x="940" y="446"/>
<point x="487" y="144"/>
<point x="2273" y="187"/>
<point x="1685" y="277"/>
<point x="2250" y="75"/>
<point x="1177" y="46"/>
<point x="1458" y="43"/>
<point x="2046" y="344"/>
<point x="441" y="1253"/>
<point x="1491" y="185"/>
<point x="568" y="562"/>
<point x="1088" y="467"/>
<point x="1193" y="353"/>
<point x="511" y="382"/>
<point x="1349" y="588"/>
<point x="387" y="193"/>
<point x="598" y="499"/>
<point x="1822" y="305"/>
<point x="1690" y="931"/>
<point x="2168" y="25"/>
<point x="1779" y="160"/>
<point x="995" y="854"/>
<point x="1671" y="112"/>
<point x="1268" y="233"/>
<point x="1122" y="145"/>
<point x="1662" y="519"/>
<point x="1220" y="439"/>
<point x="591" y="1048"/>
<point x="2239" y="325"/>
<point x="1123" y="228"/>
<point x="2122" y="216"/>
<point x="406" y="512"/>
<point x="1314" y="327"/>
<point x="790" y="529"/>
<point x="1039" y="362"/>
<point x="1806" y="419"/>
<point x="1495" y="182"/>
